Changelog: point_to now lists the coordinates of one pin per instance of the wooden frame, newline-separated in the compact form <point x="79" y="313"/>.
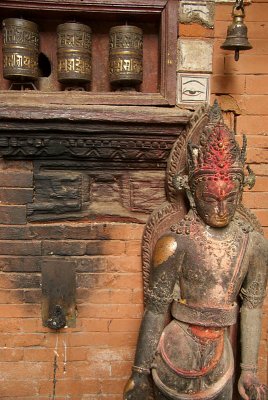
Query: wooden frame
<point x="165" y="10"/>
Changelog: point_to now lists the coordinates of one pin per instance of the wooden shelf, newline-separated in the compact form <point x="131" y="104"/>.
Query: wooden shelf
<point x="157" y="19"/>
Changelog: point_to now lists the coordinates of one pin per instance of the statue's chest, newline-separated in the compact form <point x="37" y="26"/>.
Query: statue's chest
<point x="214" y="268"/>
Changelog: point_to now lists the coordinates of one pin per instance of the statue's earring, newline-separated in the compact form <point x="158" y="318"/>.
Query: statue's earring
<point x="250" y="179"/>
<point x="181" y="182"/>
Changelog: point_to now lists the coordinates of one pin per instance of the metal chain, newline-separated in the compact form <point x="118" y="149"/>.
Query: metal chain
<point x="239" y="5"/>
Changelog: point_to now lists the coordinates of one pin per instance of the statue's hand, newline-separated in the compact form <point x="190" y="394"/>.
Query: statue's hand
<point x="250" y="388"/>
<point x="138" y="387"/>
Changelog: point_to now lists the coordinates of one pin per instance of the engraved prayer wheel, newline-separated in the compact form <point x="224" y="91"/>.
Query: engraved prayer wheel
<point x="126" y="50"/>
<point x="74" y="53"/>
<point x="20" y="49"/>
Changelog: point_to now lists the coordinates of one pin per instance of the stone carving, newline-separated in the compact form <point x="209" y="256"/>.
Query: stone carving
<point x="196" y="266"/>
<point x="196" y="11"/>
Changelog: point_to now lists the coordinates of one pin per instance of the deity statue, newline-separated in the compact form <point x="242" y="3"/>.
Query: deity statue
<point x="207" y="267"/>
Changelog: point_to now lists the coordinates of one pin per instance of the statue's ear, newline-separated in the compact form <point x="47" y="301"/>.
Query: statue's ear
<point x="250" y="179"/>
<point x="181" y="182"/>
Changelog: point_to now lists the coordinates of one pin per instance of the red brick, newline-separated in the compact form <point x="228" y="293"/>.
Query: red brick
<point x="10" y="296"/>
<point x="63" y="248"/>
<point x="223" y="12"/>
<point x="15" y="196"/>
<point x="20" y="264"/>
<point x="124" y="325"/>
<point x="248" y="63"/>
<point x="129" y="263"/>
<point x="14" y="388"/>
<point x="19" y="310"/>
<point x="262" y="216"/>
<point x="18" y="324"/>
<point x="13" y="215"/>
<point x="111" y="263"/>
<point x="85" y="231"/>
<point x="257" y="12"/>
<point x="252" y="124"/>
<point x="110" y="311"/>
<point x="85" y="369"/>
<point x="10" y="354"/>
<point x="111" y="354"/>
<point x="113" y="386"/>
<point x="101" y="247"/>
<point x="77" y="354"/>
<point x="35" y="354"/>
<point x="228" y="84"/>
<point x="259" y="155"/>
<point x="138" y="296"/>
<point x="257" y="84"/>
<point x="133" y="248"/>
<point x="14" y="232"/>
<point x="109" y="296"/>
<point x="73" y="388"/>
<point x="121" y="369"/>
<point x="23" y="248"/>
<point x="260" y="46"/>
<point x="255" y="200"/>
<point x="19" y="179"/>
<point x="13" y="280"/>
<point x="24" y="370"/>
<point x="195" y="30"/>
<point x="114" y="280"/>
<point x="218" y="65"/>
<point x="255" y="105"/>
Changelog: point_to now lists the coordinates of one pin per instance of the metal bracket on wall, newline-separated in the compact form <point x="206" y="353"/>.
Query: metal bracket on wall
<point x="58" y="293"/>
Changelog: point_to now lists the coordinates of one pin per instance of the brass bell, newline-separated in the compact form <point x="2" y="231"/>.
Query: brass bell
<point x="237" y="33"/>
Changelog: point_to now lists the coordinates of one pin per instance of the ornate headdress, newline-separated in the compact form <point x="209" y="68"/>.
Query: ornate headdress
<point x="217" y="156"/>
<point x="218" y="153"/>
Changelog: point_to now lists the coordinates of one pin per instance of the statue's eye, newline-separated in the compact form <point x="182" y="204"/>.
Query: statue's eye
<point x="208" y="199"/>
<point x="231" y="199"/>
<point x="192" y="93"/>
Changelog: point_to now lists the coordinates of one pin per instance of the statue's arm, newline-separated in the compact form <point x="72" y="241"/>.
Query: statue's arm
<point x="253" y="293"/>
<point x="164" y="273"/>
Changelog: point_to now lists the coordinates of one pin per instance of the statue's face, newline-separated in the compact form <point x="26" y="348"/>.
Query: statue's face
<point x="216" y="201"/>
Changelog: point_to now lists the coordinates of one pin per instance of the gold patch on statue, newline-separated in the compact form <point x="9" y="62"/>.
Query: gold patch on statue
<point x="165" y="248"/>
<point x="130" y="385"/>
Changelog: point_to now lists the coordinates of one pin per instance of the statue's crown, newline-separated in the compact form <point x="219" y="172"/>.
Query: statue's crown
<point x="217" y="153"/>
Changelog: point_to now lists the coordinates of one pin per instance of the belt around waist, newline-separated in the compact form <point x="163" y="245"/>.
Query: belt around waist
<point x="216" y="317"/>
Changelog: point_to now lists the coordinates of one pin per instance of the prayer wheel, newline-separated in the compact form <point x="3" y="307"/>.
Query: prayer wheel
<point x="74" y="53"/>
<point x="126" y="51"/>
<point x="20" y="49"/>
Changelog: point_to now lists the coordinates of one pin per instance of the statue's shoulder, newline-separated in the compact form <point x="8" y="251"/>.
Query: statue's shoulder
<point x="165" y="248"/>
<point x="257" y="241"/>
<point x="259" y="244"/>
<point x="175" y="240"/>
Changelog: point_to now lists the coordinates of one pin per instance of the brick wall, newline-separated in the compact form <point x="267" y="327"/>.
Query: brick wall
<point x="93" y="360"/>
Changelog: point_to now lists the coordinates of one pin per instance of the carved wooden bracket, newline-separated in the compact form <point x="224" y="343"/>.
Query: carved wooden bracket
<point x="134" y="138"/>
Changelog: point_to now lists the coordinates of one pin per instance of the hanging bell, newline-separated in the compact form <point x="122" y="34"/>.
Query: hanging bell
<point x="237" y="38"/>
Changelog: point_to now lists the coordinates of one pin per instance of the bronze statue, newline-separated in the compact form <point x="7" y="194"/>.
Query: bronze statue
<point x="205" y="268"/>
